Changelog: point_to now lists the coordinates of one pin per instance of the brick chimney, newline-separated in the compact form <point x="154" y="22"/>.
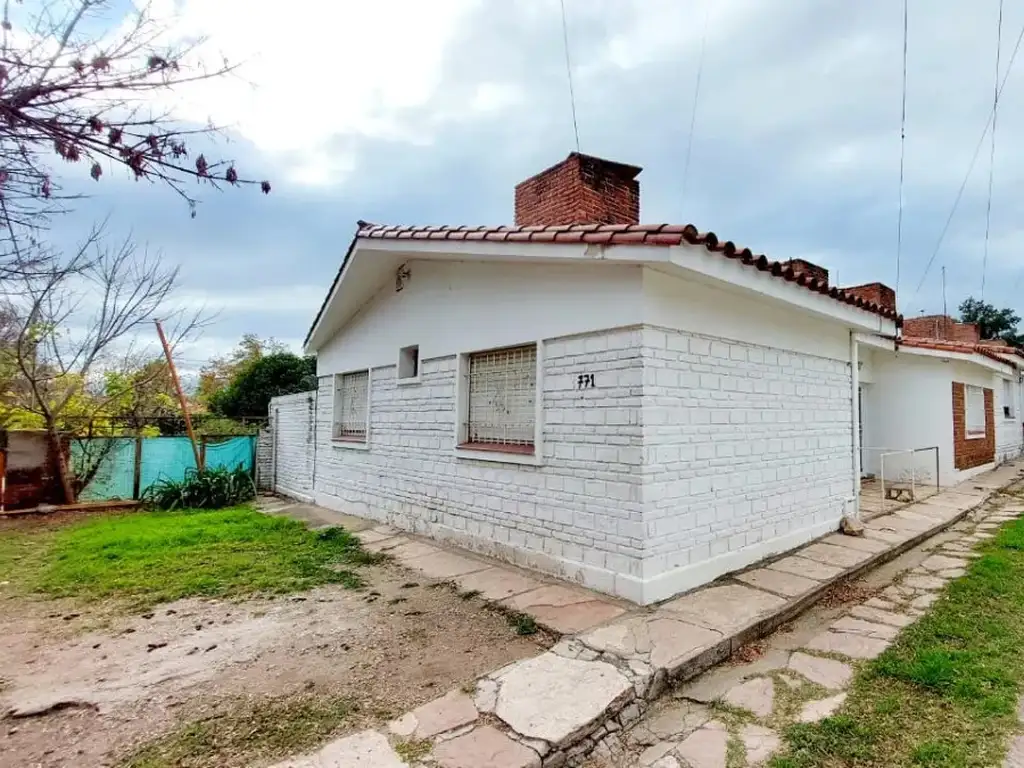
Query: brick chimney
<point x="812" y="270"/>
<point x="880" y="293"/>
<point x="580" y="190"/>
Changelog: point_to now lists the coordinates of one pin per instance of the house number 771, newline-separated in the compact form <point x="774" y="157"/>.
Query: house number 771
<point x="585" y="381"/>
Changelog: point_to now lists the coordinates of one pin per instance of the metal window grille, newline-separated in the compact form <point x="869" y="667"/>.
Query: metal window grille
<point x="974" y="410"/>
<point x="1008" y="404"/>
<point x="351" y="401"/>
<point x="502" y="395"/>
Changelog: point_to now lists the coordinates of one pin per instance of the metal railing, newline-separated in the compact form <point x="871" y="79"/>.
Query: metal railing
<point x="889" y="453"/>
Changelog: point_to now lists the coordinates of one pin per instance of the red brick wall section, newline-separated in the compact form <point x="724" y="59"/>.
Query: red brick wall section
<point x="880" y="293"/>
<point x="940" y="327"/>
<point x="927" y="327"/>
<point x="968" y="332"/>
<point x="977" y="451"/>
<point x="579" y="190"/>
<point x="800" y="266"/>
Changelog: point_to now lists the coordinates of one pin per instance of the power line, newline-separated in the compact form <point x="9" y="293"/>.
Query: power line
<point x="696" y="96"/>
<point x="992" y="147"/>
<point x="568" y="73"/>
<point x="970" y="168"/>
<point x="903" y="144"/>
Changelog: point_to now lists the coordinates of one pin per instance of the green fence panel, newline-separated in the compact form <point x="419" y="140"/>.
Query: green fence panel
<point x="163" y="458"/>
<point x="114" y="461"/>
<point x="232" y="453"/>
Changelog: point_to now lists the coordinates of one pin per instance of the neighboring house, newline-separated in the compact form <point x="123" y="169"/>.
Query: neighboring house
<point x="640" y="408"/>
<point x="940" y="386"/>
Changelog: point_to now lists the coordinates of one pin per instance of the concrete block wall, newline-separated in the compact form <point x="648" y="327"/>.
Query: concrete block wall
<point x="667" y="459"/>
<point x="294" y="444"/>
<point x="1009" y="432"/>
<point x="265" y="458"/>
<point x="747" y="452"/>
<point x="577" y="515"/>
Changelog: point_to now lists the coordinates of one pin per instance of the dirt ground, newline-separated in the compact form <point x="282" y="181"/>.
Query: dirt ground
<point x="84" y="686"/>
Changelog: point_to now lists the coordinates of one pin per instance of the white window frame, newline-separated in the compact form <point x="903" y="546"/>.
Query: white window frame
<point x="1009" y="399"/>
<point x="977" y="392"/>
<point x="402" y="353"/>
<point x="353" y="443"/>
<point x="462" y="449"/>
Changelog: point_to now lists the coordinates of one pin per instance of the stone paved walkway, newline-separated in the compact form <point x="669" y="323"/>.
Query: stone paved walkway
<point x="592" y="692"/>
<point x="734" y="714"/>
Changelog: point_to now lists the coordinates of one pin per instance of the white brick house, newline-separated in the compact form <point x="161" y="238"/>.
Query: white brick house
<point x="639" y="408"/>
<point x="940" y="385"/>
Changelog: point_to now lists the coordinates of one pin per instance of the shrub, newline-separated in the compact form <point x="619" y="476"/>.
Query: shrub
<point x="209" y="489"/>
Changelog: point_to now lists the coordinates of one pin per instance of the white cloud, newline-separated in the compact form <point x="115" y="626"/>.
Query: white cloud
<point x="309" y="71"/>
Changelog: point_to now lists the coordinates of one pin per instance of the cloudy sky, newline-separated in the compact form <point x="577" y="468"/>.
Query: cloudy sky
<point x="411" y="112"/>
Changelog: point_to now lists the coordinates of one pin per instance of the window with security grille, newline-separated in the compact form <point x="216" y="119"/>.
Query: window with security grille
<point x="974" y="411"/>
<point x="501" y="393"/>
<point x="351" y="405"/>
<point x="1009" y="407"/>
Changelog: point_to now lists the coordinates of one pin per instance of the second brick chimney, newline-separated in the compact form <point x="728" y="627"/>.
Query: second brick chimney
<point x="580" y="190"/>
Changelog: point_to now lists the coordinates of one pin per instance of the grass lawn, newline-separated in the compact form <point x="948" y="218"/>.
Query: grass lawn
<point x="945" y="693"/>
<point x="153" y="557"/>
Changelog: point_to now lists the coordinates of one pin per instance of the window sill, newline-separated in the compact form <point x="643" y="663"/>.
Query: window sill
<point x="980" y="436"/>
<point x="350" y="444"/>
<point x="408" y="381"/>
<point x="504" y="454"/>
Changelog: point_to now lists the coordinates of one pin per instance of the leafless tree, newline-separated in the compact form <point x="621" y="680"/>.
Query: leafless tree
<point x="84" y="317"/>
<point x="78" y="82"/>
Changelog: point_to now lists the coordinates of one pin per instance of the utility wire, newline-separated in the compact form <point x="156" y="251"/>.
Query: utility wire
<point x="970" y="168"/>
<point x="903" y="145"/>
<point x="992" y="147"/>
<point x="696" y="96"/>
<point x="568" y="74"/>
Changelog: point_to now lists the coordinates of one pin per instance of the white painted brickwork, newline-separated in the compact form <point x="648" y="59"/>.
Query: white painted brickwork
<point x="578" y="515"/>
<point x="746" y="453"/>
<point x="1009" y="434"/>
<point x="294" y="448"/>
<point x="265" y="459"/>
<point x="690" y="456"/>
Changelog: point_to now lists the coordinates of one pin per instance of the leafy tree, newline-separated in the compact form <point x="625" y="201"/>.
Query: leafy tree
<point x="221" y="371"/>
<point x="249" y="393"/>
<point x="992" y="323"/>
<point x="135" y="397"/>
<point x="74" y="325"/>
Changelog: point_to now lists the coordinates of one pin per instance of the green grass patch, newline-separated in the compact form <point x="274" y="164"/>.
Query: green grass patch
<point x="944" y="694"/>
<point x="251" y="732"/>
<point x="153" y="557"/>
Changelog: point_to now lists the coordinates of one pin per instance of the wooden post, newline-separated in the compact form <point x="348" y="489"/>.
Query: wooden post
<point x="202" y="452"/>
<point x="137" y="480"/>
<point x="181" y="396"/>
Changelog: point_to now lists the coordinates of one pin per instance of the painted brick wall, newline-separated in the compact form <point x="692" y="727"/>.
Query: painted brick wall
<point x="294" y="447"/>
<point x="978" y="451"/>
<point x="265" y="459"/>
<point x="747" y="452"/>
<point x="1009" y="435"/>
<point x="579" y="515"/>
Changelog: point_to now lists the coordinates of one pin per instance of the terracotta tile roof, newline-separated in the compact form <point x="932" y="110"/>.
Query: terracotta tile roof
<point x="625" y="234"/>
<point x="988" y="349"/>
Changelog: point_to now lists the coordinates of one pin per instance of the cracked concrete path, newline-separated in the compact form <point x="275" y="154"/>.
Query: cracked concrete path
<point x="735" y="713"/>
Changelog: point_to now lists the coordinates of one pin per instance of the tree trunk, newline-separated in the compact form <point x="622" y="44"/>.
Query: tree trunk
<point x="63" y="470"/>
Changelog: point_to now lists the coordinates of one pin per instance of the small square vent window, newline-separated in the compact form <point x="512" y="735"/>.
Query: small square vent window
<point x="409" y="363"/>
